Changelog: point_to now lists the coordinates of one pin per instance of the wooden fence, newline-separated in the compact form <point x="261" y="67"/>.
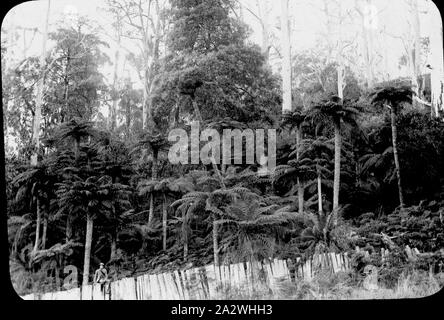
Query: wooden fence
<point x="204" y="282"/>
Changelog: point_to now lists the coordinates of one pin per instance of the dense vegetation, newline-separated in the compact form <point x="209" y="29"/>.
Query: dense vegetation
<point x="364" y="171"/>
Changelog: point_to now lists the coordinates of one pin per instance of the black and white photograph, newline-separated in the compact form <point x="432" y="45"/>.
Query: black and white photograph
<point x="223" y="150"/>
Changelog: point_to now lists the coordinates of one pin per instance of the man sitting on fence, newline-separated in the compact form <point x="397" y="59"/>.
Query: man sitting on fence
<point x="101" y="276"/>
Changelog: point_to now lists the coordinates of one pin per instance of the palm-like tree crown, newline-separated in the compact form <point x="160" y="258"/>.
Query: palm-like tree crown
<point x="293" y="119"/>
<point x="96" y="195"/>
<point x="153" y="141"/>
<point x="225" y="123"/>
<point x="394" y="93"/>
<point x="317" y="236"/>
<point x="332" y="108"/>
<point x="254" y="224"/>
<point x="35" y="182"/>
<point x="75" y="129"/>
<point x="289" y="173"/>
<point x="317" y="153"/>
<point x="165" y="186"/>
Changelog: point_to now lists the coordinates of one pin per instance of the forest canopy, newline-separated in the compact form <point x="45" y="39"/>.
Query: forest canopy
<point x="359" y="154"/>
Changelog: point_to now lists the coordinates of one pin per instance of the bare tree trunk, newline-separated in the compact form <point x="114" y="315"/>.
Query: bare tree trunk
<point x="216" y="170"/>
<point x="66" y="83"/>
<point x="185" y="235"/>
<point x="151" y="212"/>
<point x="148" y="122"/>
<point x="371" y="51"/>
<point x="57" y="277"/>
<point x="286" y="58"/>
<point x="146" y="106"/>
<point x="154" y="173"/>
<point x="37" y="228"/>
<point x="416" y="52"/>
<point x="367" y="54"/>
<point x="128" y="120"/>
<point x="367" y="41"/>
<point x="68" y="228"/>
<point x="146" y="110"/>
<point x="286" y="87"/>
<point x="337" y="170"/>
<point x="300" y="196"/>
<point x="215" y="243"/>
<point x="113" y="244"/>
<point x="386" y="55"/>
<point x="341" y="68"/>
<point x="39" y="99"/>
<point x="299" y="184"/>
<point x="264" y="17"/>
<point x="88" y="241"/>
<point x="127" y="105"/>
<point x="395" y="154"/>
<point x="45" y="230"/>
<point x="337" y="127"/>
<point x="113" y="109"/>
<point x="437" y="64"/>
<point x="77" y="151"/>
<point x="213" y="163"/>
<point x="164" y="222"/>
<point x="319" y="194"/>
<point x="155" y="169"/>
<point x="341" y="75"/>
